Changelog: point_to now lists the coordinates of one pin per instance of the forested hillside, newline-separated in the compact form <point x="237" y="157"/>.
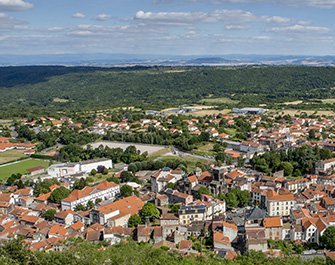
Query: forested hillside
<point x="81" y="87"/>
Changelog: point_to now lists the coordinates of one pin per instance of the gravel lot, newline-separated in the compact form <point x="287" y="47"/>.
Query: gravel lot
<point x="142" y="147"/>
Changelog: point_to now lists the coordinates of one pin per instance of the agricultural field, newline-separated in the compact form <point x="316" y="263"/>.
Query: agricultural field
<point x="11" y="155"/>
<point x="20" y="167"/>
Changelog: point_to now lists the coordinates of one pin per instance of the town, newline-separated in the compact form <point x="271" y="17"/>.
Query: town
<point x="225" y="184"/>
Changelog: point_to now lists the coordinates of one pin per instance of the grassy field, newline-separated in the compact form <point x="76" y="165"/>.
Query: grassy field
<point x="202" y="113"/>
<point x="159" y="153"/>
<point x="293" y="112"/>
<point x="11" y="155"/>
<point x="219" y="101"/>
<point x="328" y="100"/>
<point x="297" y="102"/>
<point x="191" y="162"/>
<point x="60" y="100"/>
<point x="21" y="167"/>
<point x="206" y="149"/>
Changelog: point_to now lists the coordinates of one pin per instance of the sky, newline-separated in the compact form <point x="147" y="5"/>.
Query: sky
<point x="167" y="27"/>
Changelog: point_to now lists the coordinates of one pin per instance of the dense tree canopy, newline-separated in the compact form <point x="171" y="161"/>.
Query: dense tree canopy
<point x="294" y="162"/>
<point x="57" y="195"/>
<point x="14" y="252"/>
<point x="87" y="88"/>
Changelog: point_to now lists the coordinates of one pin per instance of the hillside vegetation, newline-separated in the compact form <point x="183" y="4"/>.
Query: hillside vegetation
<point x="128" y="254"/>
<point x="86" y="88"/>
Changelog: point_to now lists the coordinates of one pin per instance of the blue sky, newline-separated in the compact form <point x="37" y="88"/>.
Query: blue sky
<point x="176" y="27"/>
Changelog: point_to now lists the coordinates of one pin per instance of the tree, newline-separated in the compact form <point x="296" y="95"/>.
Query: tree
<point x="79" y="207"/>
<point x="174" y="208"/>
<point x="221" y="156"/>
<point x="59" y="194"/>
<point x="89" y="205"/>
<point x="132" y="168"/>
<point x="42" y="187"/>
<point x="49" y="215"/>
<point x="232" y="200"/>
<point x="287" y="167"/>
<point x="150" y="211"/>
<point x="13" y="178"/>
<point x="113" y="179"/>
<point x="134" y="220"/>
<point x="93" y="172"/>
<point x="171" y="185"/>
<point x="105" y="171"/>
<point x="126" y="191"/>
<point x="328" y="238"/>
<point x="100" y="169"/>
<point x="80" y="184"/>
<point x="202" y="190"/>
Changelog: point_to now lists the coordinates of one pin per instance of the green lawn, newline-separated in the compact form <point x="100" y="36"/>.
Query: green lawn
<point x="21" y="167"/>
<point x="11" y="155"/>
<point x="205" y="149"/>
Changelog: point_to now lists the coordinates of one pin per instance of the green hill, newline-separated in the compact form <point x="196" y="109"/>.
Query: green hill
<point x="158" y="87"/>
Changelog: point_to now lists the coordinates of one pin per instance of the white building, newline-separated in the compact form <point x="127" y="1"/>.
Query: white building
<point x="104" y="190"/>
<point x="279" y="204"/>
<point x="161" y="178"/>
<point x="68" y="169"/>
<point x="325" y="165"/>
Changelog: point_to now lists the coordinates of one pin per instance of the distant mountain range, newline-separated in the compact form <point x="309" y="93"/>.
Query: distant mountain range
<point x="109" y="60"/>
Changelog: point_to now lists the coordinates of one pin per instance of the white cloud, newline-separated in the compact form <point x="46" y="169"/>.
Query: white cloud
<point x="296" y="3"/>
<point x="301" y="29"/>
<point x="8" y="22"/>
<point x="235" y="27"/>
<point x="262" y="37"/>
<point x="277" y="19"/>
<point x="81" y="33"/>
<point x="14" y="5"/>
<point x="55" y="29"/>
<point x="231" y="17"/>
<point x="78" y="15"/>
<point x="103" y="17"/>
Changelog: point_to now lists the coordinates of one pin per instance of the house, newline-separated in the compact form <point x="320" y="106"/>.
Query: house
<point x="117" y="213"/>
<point x="328" y="203"/>
<point x="220" y="241"/>
<point x="255" y="239"/>
<point x="192" y="213"/>
<point x="169" y="219"/>
<point x="273" y="227"/>
<point x="325" y="165"/>
<point x="185" y="245"/>
<point x="279" y="203"/>
<point x="162" y="177"/>
<point x="65" y="217"/>
<point x="36" y="170"/>
<point x="152" y="234"/>
<point x="230" y="231"/>
<point x="178" y="197"/>
<point x="104" y="190"/>
<point x="115" y="235"/>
